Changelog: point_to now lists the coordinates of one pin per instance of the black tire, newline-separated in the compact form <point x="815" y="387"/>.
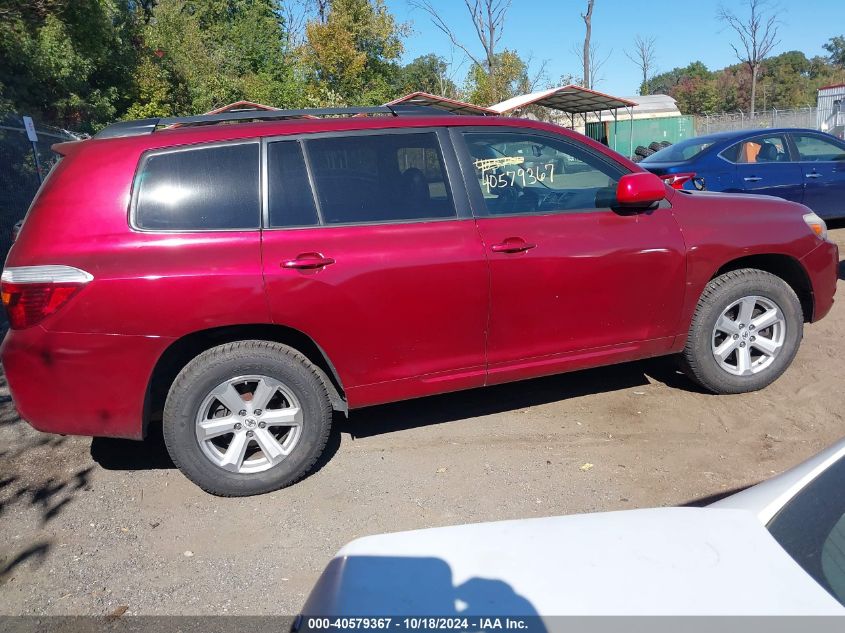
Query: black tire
<point x="665" y="144"/>
<point x="698" y="359"/>
<point x="211" y="368"/>
<point x="655" y="146"/>
<point x="641" y="151"/>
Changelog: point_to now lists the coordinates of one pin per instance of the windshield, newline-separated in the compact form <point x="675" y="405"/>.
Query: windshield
<point x="811" y="528"/>
<point x="679" y="152"/>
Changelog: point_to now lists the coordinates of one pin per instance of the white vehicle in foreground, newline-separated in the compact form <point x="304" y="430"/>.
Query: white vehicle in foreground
<point x="777" y="548"/>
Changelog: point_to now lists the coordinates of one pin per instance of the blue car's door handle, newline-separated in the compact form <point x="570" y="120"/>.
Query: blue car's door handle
<point x="752" y="178"/>
<point x="813" y="175"/>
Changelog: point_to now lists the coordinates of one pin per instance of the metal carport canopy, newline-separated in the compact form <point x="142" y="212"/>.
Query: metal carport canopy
<point x="572" y="100"/>
<point x="443" y="103"/>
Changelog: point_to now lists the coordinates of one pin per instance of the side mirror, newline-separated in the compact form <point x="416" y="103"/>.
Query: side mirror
<point x="640" y="189"/>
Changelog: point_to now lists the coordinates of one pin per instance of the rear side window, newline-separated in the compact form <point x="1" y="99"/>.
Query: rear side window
<point x="380" y="178"/>
<point x="201" y="189"/>
<point x="290" y="199"/>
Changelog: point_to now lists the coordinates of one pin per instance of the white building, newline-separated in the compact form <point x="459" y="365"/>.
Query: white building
<point x="831" y="110"/>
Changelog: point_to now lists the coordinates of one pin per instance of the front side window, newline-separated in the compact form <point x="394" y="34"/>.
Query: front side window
<point x="762" y="149"/>
<point x="380" y="178"/>
<point x="200" y="189"/>
<point x="811" y="528"/>
<point x="813" y="148"/>
<point x="523" y="173"/>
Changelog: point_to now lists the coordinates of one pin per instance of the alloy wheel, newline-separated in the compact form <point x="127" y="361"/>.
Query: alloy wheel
<point x="248" y="424"/>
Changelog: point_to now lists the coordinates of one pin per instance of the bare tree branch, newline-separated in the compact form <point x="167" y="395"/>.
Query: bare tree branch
<point x="593" y="64"/>
<point x="488" y="19"/>
<point x="758" y="35"/>
<point x="643" y="56"/>
<point x="297" y="13"/>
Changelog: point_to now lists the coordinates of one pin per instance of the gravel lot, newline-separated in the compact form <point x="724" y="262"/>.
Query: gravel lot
<point x="91" y="526"/>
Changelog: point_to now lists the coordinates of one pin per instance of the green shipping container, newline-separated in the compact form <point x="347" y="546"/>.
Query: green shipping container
<point x="645" y="131"/>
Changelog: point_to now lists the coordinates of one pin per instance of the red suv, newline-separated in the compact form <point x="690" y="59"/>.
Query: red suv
<point x="240" y="282"/>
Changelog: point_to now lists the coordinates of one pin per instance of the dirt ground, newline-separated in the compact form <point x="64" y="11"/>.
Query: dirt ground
<point x="90" y="526"/>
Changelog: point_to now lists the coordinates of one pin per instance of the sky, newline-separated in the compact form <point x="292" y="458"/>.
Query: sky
<point x="685" y="32"/>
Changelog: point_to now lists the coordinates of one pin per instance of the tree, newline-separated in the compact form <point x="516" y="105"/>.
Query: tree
<point x="757" y="34"/>
<point x="696" y="95"/>
<point x="587" y="49"/>
<point x="67" y="62"/>
<point x="510" y="79"/>
<point x="202" y="54"/>
<point x="693" y="87"/>
<point x="643" y="56"/>
<point x="351" y="57"/>
<point x="428" y="73"/>
<point x="836" y="47"/>
<point x="488" y="19"/>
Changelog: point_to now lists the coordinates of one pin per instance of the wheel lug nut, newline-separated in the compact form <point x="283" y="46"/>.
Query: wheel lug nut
<point x="258" y="412"/>
<point x="753" y="338"/>
<point x="242" y="412"/>
<point x="736" y="336"/>
<point x="741" y="325"/>
<point x="249" y="433"/>
<point x="742" y="344"/>
<point x="750" y="327"/>
<point x="237" y="426"/>
<point x="261" y="425"/>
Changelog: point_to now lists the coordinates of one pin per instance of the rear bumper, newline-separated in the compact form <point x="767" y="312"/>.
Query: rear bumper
<point x="822" y="266"/>
<point x="80" y="384"/>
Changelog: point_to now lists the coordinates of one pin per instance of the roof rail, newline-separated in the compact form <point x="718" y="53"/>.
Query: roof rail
<point x="148" y="126"/>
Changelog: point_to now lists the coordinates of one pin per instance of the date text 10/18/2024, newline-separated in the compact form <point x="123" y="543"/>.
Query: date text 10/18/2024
<point x="474" y="624"/>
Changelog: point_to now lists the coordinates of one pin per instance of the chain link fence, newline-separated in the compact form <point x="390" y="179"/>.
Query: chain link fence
<point x="731" y="121"/>
<point x="20" y="176"/>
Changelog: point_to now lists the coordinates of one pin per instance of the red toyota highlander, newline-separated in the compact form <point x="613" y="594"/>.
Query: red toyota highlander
<point x="240" y="282"/>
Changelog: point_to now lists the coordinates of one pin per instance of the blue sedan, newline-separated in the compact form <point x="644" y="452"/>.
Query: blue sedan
<point x="804" y="166"/>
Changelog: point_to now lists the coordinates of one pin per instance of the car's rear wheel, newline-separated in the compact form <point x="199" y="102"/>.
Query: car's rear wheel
<point x="745" y="332"/>
<point x="246" y="418"/>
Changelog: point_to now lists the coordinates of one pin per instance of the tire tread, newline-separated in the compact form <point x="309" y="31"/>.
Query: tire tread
<point x="245" y="349"/>
<point x="690" y="357"/>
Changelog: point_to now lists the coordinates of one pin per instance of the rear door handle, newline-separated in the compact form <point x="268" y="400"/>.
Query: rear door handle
<point x="512" y="245"/>
<point x="813" y="175"/>
<point x="308" y="261"/>
<point x="752" y="178"/>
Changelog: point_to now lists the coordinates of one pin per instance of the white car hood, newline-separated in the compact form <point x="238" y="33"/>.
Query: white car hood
<point x="671" y="561"/>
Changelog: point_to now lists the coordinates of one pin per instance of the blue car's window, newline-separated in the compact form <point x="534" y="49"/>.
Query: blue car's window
<point x="814" y="148"/>
<point x="679" y="152"/>
<point x="811" y="528"/>
<point x="761" y="149"/>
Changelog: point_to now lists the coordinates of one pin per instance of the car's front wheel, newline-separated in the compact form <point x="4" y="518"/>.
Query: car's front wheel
<point x="745" y="332"/>
<point x="246" y="418"/>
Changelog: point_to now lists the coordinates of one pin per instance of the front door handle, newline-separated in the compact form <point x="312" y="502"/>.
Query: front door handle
<point x="512" y="245"/>
<point x="813" y="175"/>
<point x="308" y="261"/>
<point x="752" y="179"/>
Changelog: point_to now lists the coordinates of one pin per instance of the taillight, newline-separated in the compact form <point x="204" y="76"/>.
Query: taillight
<point x="31" y="293"/>
<point x="676" y="181"/>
